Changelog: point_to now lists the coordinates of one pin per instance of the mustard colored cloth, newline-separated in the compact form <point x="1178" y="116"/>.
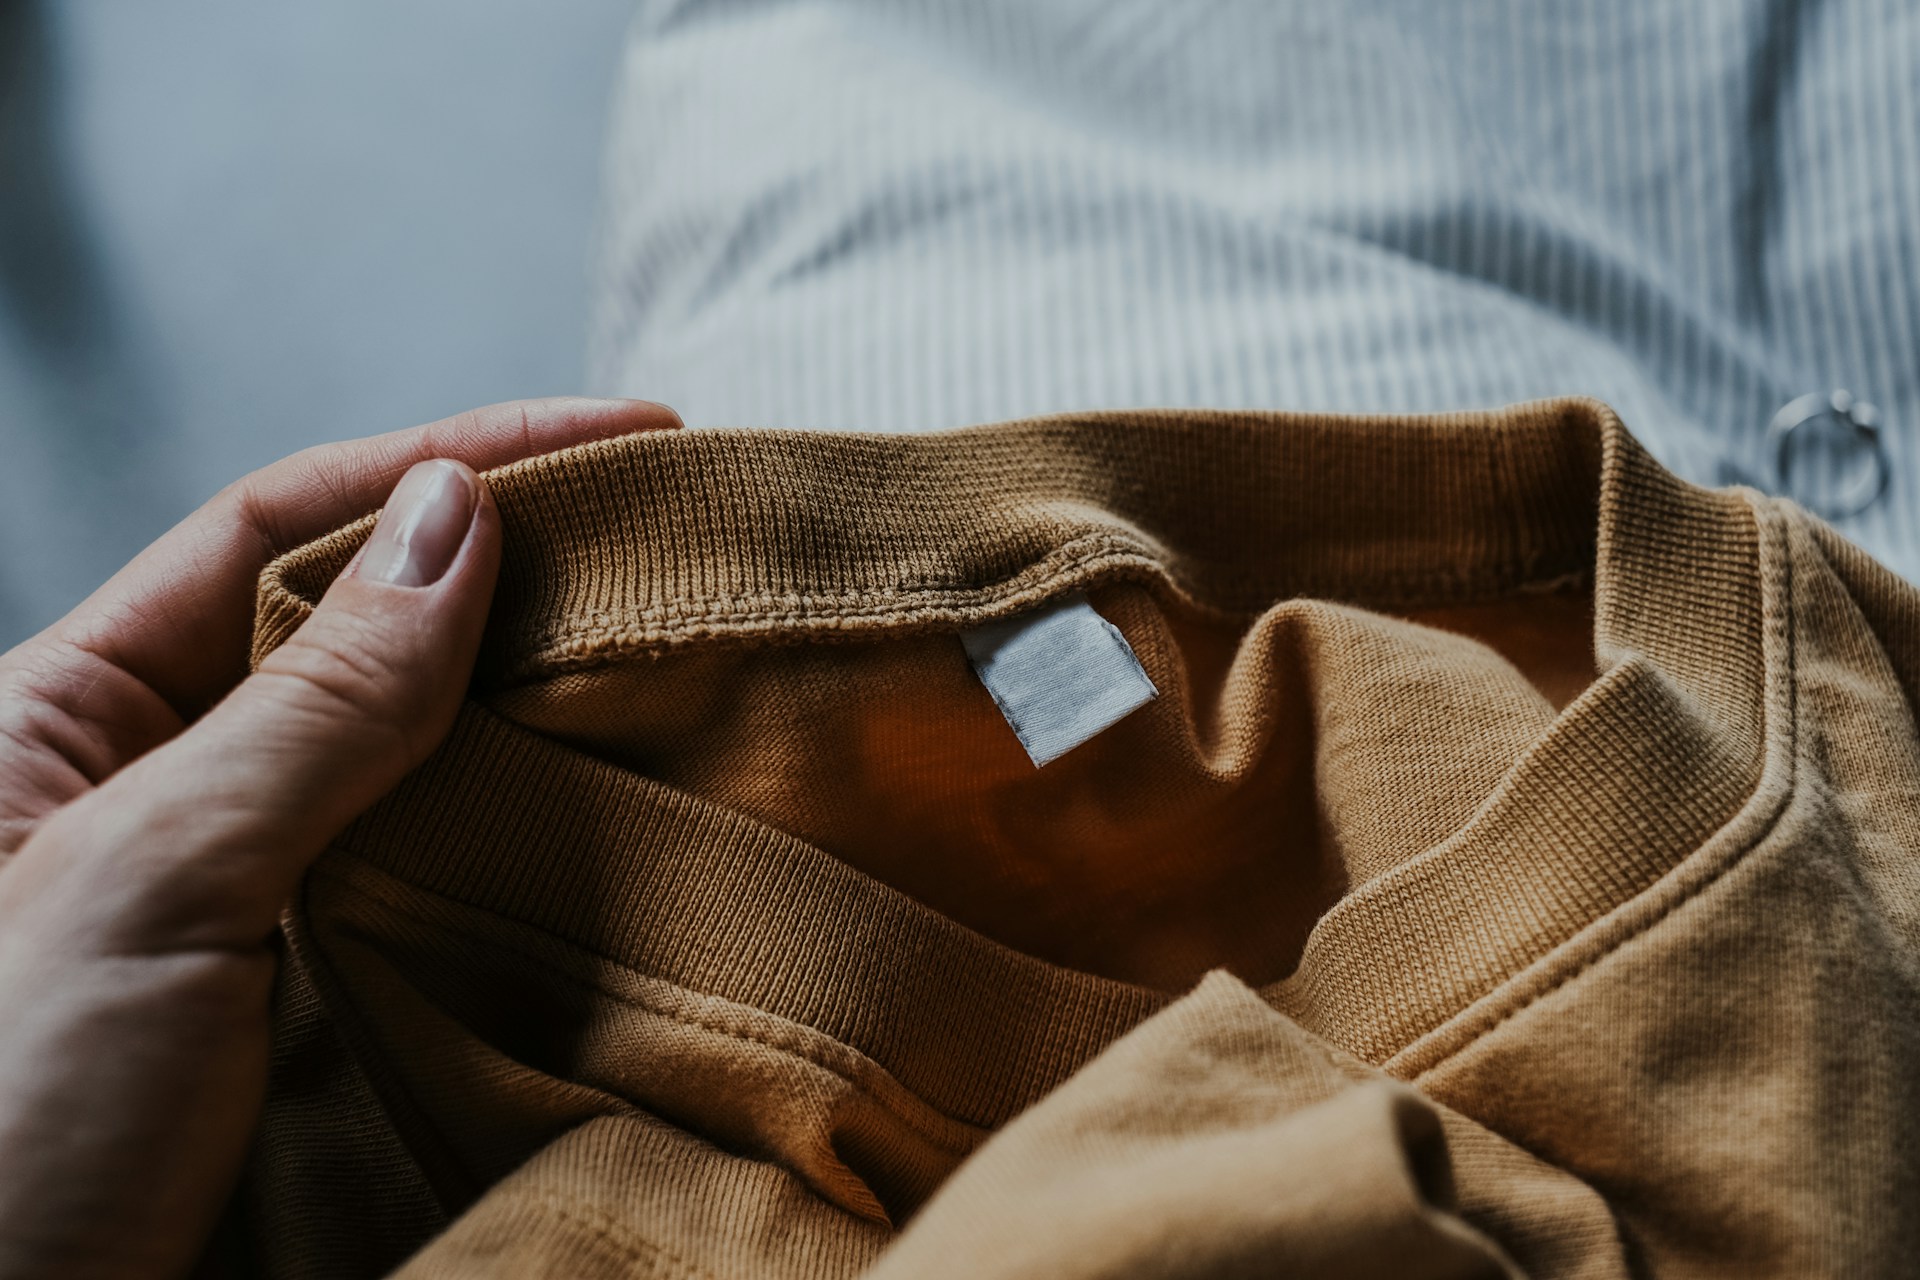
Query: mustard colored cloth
<point x="1518" y="873"/>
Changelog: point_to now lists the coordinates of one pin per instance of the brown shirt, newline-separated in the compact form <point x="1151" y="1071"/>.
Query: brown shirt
<point x="1519" y="872"/>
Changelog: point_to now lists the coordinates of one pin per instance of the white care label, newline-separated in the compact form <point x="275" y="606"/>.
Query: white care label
<point x="1059" y="675"/>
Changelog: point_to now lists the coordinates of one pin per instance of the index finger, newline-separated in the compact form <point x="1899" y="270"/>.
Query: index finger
<point x="179" y="615"/>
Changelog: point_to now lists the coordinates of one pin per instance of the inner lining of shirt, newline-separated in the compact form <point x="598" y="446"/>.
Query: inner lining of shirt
<point x="1288" y="759"/>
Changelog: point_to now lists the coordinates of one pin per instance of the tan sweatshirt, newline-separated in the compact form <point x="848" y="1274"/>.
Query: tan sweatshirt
<point x="1517" y="873"/>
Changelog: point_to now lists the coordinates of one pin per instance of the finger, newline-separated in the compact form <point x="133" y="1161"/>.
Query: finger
<point x="197" y="844"/>
<point x="178" y="617"/>
<point x="318" y="490"/>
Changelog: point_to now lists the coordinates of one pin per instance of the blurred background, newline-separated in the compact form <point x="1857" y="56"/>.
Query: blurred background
<point x="229" y="230"/>
<point x="190" y="283"/>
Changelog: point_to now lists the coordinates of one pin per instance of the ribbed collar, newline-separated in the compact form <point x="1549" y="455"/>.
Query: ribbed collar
<point x="631" y="546"/>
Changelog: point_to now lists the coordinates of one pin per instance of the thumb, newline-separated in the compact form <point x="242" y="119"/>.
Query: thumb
<point x="199" y="843"/>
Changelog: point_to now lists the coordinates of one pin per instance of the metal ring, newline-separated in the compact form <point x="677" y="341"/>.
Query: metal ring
<point x="1859" y="417"/>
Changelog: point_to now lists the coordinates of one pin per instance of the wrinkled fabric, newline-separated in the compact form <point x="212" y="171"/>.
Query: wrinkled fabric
<point x="1516" y="874"/>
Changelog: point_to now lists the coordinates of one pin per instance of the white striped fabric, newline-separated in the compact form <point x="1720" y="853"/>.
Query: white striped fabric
<point x="912" y="214"/>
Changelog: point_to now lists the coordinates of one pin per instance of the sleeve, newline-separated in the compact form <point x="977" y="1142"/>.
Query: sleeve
<point x="1222" y="1139"/>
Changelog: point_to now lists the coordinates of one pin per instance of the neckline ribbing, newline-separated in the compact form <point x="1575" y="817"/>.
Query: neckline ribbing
<point x="623" y="547"/>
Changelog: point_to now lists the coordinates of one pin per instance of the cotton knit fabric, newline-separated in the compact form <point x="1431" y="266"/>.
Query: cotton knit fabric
<point x="1515" y="875"/>
<point x="895" y="214"/>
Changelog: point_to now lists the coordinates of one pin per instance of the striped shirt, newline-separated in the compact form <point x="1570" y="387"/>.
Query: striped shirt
<point x="916" y="214"/>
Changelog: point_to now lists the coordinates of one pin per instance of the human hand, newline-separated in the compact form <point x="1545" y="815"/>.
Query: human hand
<point x="158" y="806"/>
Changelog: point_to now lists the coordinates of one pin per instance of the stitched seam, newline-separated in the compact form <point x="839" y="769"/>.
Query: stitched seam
<point x="664" y="624"/>
<point x="1731" y="859"/>
<point x="598" y="637"/>
<point x="804" y="1053"/>
<point x="884" y="602"/>
<point x="1090" y="546"/>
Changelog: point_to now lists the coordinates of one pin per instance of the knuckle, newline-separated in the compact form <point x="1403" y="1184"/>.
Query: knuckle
<point x="348" y="673"/>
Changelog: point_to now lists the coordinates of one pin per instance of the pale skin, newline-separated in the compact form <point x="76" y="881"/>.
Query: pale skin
<point x="159" y="803"/>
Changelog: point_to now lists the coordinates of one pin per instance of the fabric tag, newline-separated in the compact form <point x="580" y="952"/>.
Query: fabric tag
<point x="1059" y="675"/>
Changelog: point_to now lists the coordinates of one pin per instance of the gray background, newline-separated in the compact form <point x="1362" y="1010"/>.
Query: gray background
<point x="231" y="229"/>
